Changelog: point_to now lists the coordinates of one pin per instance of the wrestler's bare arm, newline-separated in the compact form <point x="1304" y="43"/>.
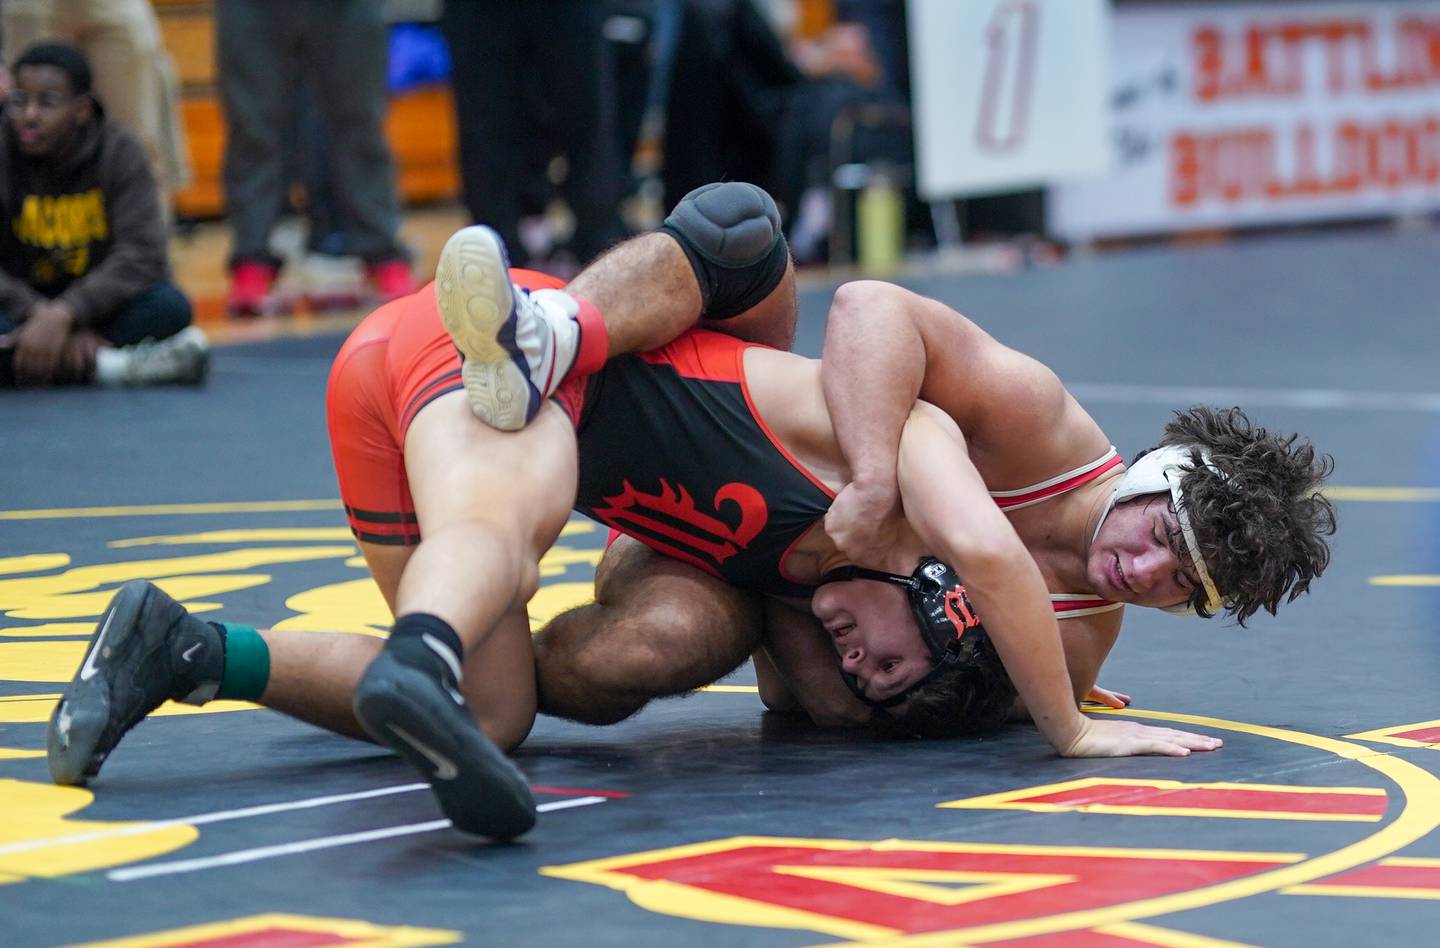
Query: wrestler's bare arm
<point x="871" y="371"/>
<point x="884" y="347"/>
<point x="797" y="667"/>
<point x="873" y="366"/>
<point x="1087" y="642"/>
<point x="955" y="520"/>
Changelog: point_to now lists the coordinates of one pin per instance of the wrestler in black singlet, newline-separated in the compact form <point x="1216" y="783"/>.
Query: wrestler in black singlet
<point x="671" y="454"/>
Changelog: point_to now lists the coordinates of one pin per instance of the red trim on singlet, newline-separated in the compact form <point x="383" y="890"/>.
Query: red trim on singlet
<point x="1072" y="606"/>
<point x="432" y="390"/>
<point x="794" y="461"/>
<point x="701" y="354"/>
<point x="715" y="357"/>
<point x="1067" y="608"/>
<point x="780" y="564"/>
<point x="1060" y="487"/>
<point x="760" y="420"/>
<point x="535" y="280"/>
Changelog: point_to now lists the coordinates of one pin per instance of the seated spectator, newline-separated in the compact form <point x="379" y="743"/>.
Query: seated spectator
<point x="85" y="295"/>
<point x="132" y="71"/>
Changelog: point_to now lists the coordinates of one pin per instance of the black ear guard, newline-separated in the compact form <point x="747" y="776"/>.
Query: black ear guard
<point x="948" y="623"/>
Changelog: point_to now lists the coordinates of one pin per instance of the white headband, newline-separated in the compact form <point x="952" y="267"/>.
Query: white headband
<point x="1155" y="473"/>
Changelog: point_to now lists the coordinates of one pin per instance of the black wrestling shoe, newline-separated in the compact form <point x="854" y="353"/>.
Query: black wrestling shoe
<point x="146" y="648"/>
<point x="426" y="721"/>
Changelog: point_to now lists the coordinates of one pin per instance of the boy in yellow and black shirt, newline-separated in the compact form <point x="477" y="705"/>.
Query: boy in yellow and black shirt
<point x="85" y="294"/>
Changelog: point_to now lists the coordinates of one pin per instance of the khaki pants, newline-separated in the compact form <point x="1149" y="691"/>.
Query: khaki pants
<point x="134" y="76"/>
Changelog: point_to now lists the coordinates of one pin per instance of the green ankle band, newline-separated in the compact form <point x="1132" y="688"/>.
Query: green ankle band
<point x="247" y="664"/>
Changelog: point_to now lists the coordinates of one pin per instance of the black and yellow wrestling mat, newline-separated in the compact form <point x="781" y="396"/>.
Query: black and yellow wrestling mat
<point x="704" y="821"/>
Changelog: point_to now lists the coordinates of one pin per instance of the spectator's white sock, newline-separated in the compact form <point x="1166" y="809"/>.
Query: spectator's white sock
<point x="111" y="367"/>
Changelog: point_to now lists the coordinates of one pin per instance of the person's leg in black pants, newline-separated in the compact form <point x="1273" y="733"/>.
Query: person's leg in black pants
<point x="485" y="41"/>
<point x="559" y="46"/>
<point x="158" y="313"/>
<point x="259" y="74"/>
<point x="345" y="49"/>
<point x="579" y="83"/>
<point x="730" y="82"/>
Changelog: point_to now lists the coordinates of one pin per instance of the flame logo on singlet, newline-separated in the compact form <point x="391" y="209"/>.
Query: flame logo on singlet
<point x="670" y="523"/>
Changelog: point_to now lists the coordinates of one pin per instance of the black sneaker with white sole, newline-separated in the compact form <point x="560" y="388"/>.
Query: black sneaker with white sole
<point x="147" y="648"/>
<point x="426" y="721"/>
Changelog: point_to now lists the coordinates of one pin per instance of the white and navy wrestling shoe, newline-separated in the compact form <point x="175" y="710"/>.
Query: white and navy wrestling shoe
<point x="516" y="344"/>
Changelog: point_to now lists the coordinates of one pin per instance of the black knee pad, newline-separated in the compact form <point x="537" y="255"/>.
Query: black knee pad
<point x="731" y="233"/>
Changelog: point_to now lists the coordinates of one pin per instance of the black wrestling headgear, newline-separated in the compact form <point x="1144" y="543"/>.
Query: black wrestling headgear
<point x="948" y="624"/>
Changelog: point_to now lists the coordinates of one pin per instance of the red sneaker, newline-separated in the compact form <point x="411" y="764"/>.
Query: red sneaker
<point x="391" y="278"/>
<point x="250" y="285"/>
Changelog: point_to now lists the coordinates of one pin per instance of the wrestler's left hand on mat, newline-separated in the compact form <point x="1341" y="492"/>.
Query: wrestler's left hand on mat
<point x="1110" y="699"/>
<point x="1127" y="738"/>
<point x="862" y="522"/>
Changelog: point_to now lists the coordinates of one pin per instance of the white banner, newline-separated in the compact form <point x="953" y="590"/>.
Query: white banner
<point x="1007" y="94"/>
<point x="1231" y="114"/>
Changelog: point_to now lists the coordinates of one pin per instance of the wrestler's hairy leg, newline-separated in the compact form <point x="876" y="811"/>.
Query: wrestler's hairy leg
<point x="648" y="294"/>
<point x="658" y="627"/>
<point x="800" y="667"/>
<point x="313" y="674"/>
<point x="386" y="565"/>
<point x="501" y="698"/>
<point x="645" y="290"/>
<point x="488" y="504"/>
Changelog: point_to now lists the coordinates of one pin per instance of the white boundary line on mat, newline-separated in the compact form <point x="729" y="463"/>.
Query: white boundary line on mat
<point x="259" y="853"/>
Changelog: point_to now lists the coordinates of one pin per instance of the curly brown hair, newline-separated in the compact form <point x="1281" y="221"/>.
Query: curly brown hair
<point x="972" y="699"/>
<point x="1261" y="522"/>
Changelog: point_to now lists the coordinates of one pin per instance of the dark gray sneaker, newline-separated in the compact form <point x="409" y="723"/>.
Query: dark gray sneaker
<point x="426" y="722"/>
<point x="146" y="648"/>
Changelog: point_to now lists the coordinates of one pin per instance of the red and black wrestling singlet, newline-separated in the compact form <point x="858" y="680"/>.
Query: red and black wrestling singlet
<point x="671" y="453"/>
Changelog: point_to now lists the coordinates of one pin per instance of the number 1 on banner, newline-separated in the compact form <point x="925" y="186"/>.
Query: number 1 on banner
<point x="1009" y="79"/>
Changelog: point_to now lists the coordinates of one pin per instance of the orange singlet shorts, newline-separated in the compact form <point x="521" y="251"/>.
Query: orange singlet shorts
<point x="397" y="361"/>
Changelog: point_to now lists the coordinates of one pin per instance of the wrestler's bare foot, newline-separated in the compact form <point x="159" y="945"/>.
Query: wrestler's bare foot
<point x="516" y="345"/>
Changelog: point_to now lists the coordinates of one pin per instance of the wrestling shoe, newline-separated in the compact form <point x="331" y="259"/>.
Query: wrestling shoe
<point x="516" y="345"/>
<point x="146" y="648"/>
<point x="425" y="721"/>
